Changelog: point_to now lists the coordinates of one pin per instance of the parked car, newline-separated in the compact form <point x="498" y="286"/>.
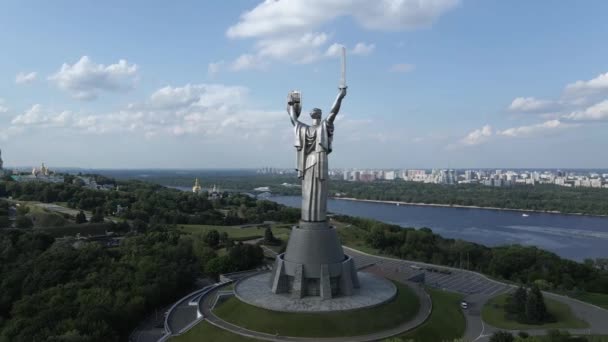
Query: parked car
<point x="464" y="304"/>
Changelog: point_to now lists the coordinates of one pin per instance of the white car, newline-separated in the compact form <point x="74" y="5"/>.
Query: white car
<point x="464" y="305"/>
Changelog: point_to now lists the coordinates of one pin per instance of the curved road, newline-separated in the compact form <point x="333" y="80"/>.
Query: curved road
<point x="423" y="313"/>
<point x="486" y="288"/>
<point x="479" y="331"/>
<point x="477" y="288"/>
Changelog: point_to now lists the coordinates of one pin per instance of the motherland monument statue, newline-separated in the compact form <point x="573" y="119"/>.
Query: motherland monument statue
<point x="314" y="263"/>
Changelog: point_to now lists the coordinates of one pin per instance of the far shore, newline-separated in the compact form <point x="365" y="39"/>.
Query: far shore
<point x="463" y="206"/>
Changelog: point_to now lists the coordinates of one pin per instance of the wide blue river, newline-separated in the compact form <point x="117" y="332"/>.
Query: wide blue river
<point x="570" y="236"/>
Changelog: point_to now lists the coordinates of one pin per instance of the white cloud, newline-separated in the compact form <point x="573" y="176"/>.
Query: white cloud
<point x="301" y="49"/>
<point x="282" y="17"/>
<point x="197" y="95"/>
<point x="205" y="110"/>
<point x="287" y="31"/>
<point x="85" y="79"/>
<point x="402" y="67"/>
<point x="3" y="107"/>
<point x="363" y="49"/>
<point x="533" y="129"/>
<point x="38" y="116"/>
<point x="598" y="111"/>
<point x="595" y="85"/>
<point x="248" y="62"/>
<point x="31" y="116"/>
<point x="24" y="78"/>
<point x="334" y="50"/>
<point x="477" y="136"/>
<point x="530" y="104"/>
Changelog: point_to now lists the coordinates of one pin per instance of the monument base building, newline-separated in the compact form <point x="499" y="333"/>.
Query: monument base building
<point x="314" y="264"/>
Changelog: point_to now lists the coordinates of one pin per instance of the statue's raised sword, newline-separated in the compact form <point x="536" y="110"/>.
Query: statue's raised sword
<point x="343" y="76"/>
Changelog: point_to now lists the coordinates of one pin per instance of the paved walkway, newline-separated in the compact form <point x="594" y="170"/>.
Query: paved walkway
<point x="423" y="313"/>
<point x="477" y="288"/>
<point x="479" y="331"/>
<point x="480" y="290"/>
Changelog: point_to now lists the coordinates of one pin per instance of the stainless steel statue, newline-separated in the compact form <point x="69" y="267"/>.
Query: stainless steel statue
<point x="313" y="144"/>
<point x="314" y="263"/>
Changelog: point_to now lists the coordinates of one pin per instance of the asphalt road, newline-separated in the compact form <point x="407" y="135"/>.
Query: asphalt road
<point x="478" y="289"/>
<point x="423" y="313"/>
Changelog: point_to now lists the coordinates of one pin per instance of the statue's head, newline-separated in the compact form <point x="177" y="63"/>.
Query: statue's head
<point x="315" y="113"/>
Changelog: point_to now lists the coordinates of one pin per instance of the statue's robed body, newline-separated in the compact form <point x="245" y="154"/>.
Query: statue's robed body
<point x="313" y="144"/>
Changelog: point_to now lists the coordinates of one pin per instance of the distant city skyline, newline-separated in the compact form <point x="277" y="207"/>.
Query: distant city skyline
<point x="434" y="84"/>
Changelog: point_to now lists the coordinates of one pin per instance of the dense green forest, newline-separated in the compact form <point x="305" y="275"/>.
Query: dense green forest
<point x="521" y="264"/>
<point x="543" y="197"/>
<point x="50" y="290"/>
<point x="54" y="292"/>
<point x="147" y="203"/>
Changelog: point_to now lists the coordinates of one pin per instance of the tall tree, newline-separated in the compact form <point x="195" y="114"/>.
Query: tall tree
<point x="81" y="217"/>
<point x="212" y="238"/>
<point x="97" y="215"/>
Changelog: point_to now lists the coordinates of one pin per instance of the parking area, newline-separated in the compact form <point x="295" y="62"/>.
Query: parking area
<point x="444" y="278"/>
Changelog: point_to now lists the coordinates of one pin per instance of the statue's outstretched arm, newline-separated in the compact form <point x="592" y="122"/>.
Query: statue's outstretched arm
<point x="336" y="107"/>
<point x="293" y="108"/>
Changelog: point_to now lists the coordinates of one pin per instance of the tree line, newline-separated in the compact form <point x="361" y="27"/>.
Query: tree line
<point x="52" y="291"/>
<point x="516" y="263"/>
<point x="542" y="197"/>
<point x="147" y="204"/>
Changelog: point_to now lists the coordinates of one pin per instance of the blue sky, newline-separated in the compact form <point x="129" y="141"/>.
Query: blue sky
<point x="202" y="84"/>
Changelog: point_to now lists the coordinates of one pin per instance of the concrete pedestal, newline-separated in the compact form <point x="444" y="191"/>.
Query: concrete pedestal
<point x="314" y="264"/>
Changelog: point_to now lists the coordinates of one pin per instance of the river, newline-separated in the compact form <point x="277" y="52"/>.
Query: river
<point x="574" y="237"/>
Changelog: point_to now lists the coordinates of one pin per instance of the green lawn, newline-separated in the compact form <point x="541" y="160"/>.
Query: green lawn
<point x="446" y="321"/>
<point x="349" y="323"/>
<point x="599" y="299"/>
<point x="493" y="313"/>
<point x="236" y="232"/>
<point x="354" y="237"/>
<point x="208" y="332"/>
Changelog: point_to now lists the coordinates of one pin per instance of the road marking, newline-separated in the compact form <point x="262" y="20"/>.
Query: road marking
<point x="483" y="328"/>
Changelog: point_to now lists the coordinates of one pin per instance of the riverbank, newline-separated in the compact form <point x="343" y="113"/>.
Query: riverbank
<point x="463" y="206"/>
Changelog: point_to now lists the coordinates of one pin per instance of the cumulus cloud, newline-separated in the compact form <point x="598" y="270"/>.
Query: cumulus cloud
<point x="280" y="17"/>
<point x="596" y="85"/>
<point x="31" y="116"/>
<point x="208" y="110"/>
<point x="598" y="111"/>
<point x="288" y="31"/>
<point x="533" y="129"/>
<point x="360" y="49"/>
<point x="24" y="78"/>
<point x="302" y="49"/>
<point x="39" y="116"/>
<point x="334" y="50"/>
<point x="530" y="104"/>
<point x="363" y="49"/>
<point x="477" y="136"/>
<point x="248" y="62"/>
<point x="197" y="95"/>
<point x="402" y="67"/>
<point x="85" y="79"/>
<point x="485" y="133"/>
